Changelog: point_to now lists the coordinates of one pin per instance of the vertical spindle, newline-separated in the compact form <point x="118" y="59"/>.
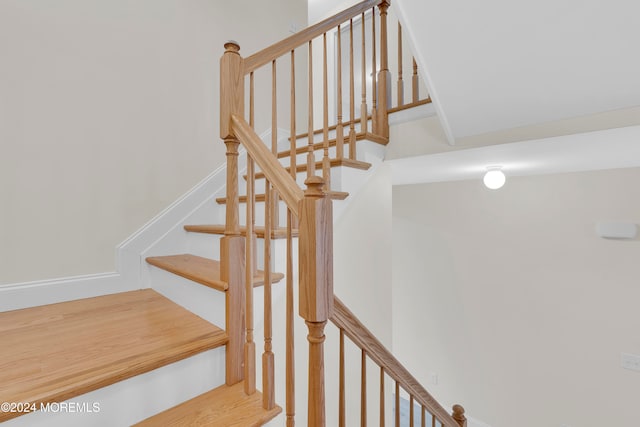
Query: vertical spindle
<point x="326" y="164"/>
<point x="400" y="82"/>
<point x="250" y="347"/>
<point x="339" y="126"/>
<point x="294" y="142"/>
<point x="382" y="392"/>
<point x="352" y="110"/>
<point x="290" y="352"/>
<point x="384" y="77"/>
<point x="363" y="105"/>
<point x="397" y="411"/>
<point x="411" y="419"/>
<point x="341" y="398"/>
<point x="311" y="161"/>
<point x="268" y="372"/>
<point x="414" y="82"/>
<point x="363" y="389"/>
<point x="374" y="70"/>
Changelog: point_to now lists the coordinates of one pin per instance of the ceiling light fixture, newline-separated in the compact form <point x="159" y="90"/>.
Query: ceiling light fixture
<point x="494" y="178"/>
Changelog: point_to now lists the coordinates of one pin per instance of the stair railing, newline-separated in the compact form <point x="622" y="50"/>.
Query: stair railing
<point x="309" y="210"/>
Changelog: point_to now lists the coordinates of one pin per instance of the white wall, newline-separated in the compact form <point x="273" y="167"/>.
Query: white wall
<point x="511" y="299"/>
<point x="109" y="112"/>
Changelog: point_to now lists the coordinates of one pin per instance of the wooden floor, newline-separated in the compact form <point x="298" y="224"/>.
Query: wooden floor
<point x="226" y="406"/>
<point x="55" y="352"/>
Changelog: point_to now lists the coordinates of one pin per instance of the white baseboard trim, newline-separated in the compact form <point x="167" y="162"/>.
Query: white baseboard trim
<point x="30" y="294"/>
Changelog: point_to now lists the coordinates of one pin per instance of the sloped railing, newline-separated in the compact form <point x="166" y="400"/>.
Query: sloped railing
<point x="309" y="210"/>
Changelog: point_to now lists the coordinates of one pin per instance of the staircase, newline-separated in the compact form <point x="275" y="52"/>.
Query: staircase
<point x="60" y="354"/>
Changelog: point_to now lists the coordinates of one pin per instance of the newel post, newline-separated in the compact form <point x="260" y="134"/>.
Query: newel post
<point x="384" y="76"/>
<point x="458" y="415"/>
<point x="232" y="245"/>
<point x="316" y="286"/>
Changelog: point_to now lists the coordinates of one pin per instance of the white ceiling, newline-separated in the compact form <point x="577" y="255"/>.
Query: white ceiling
<point x="500" y="64"/>
<point x="607" y="149"/>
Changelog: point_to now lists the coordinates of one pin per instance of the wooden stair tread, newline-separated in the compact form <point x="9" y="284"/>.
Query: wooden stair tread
<point x="202" y="270"/>
<point x="55" y="352"/>
<point x="356" y="164"/>
<point x="362" y="136"/>
<point x="225" y="406"/>
<point x="278" y="233"/>
<point x="333" y="195"/>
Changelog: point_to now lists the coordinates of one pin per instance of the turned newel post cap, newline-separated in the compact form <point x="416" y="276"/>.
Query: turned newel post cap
<point x="458" y="413"/>
<point x="314" y="184"/>
<point x="232" y="46"/>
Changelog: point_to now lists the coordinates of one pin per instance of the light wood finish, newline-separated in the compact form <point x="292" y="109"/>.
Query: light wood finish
<point x="232" y="272"/>
<point x="411" y="412"/>
<point x="300" y="38"/>
<point x="333" y="142"/>
<point x="292" y="149"/>
<point x="268" y="361"/>
<point x="397" y="412"/>
<point x="344" y="319"/>
<point x="363" y="104"/>
<point x="252" y="109"/>
<point x="384" y="77"/>
<point x="225" y="406"/>
<point x="290" y="342"/>
<point x="316" y="253"/>
<point x="231" y="87"/>
<point x="458" y="415"/>
<point x="339" y="125"/>
<point x="423" y="418"/>
<point x="326" y="172"/>
<point x="316" y="287"/>
<point x="203" y="270"/>
<point x="414" y="83"/>
<point x="352" y="102"/>
<point x="274" y="140"/>
<point x="249" y="345"/>
<point x="374" y="74"/>
<point x="355" y="164"/>
<point x="341" y="397"/>
<point x="400" y="81"/>
<point x="363" y="389"/>
<point x="311" y="165"/>
<point x="232" y="213"/>
<point x="316" y="396"/>
<point x="408" y="106"/>
<point x="382" y="404"/>
<point x="55" y="352"/>
<point x="277" y="233"/>
<point x="266" y="161"/>
<point x="333" y="195"/>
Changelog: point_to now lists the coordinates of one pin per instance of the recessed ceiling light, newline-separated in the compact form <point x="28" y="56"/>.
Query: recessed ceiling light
<point x="494" y="178"/>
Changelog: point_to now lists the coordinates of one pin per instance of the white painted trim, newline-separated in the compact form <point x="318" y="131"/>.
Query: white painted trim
<point x="424" y="71"/>
<point x="30" y="294"/>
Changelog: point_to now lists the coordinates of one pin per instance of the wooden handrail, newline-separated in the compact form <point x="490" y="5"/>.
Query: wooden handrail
<point x="287" y="188"/>
<point x="300" y="38"/>
<point x="344" y="319"/>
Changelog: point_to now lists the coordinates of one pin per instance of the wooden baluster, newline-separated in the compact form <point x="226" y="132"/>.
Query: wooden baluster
<point x="275" y="221"/>
<point x="433" y="421"/>
<point x="326" y="163"/>
<point x="293" y="153"/>
<point x="250" y="346"/>
<point x="232" y="245"/>
<point x="384" y="77"/>
<point x="423" y="418"/>
<point x="411" y="417"/>
<point x="382" y="404"/>
<point x="458" y="415"/>
<point x="341" y="402"/>
<point x="397" y="411"/>
<point x="363" y="105"/>
<point x="311" y="161"/>
<point x="352" y="110"/>
<point x="268" y="375"/>
<point x="374" y="67"/>
<point x="316" y="286"/>
<point x="251" y="101"/>
<point x="363" y="389"/>
<point x="290" y="359"/>
<point x="339" y="126"/>
<point x="400" y="82"/>
<point x="414" y="82"/>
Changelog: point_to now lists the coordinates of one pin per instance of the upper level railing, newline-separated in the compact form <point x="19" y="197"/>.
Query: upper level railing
<point x="310" y="210"/>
